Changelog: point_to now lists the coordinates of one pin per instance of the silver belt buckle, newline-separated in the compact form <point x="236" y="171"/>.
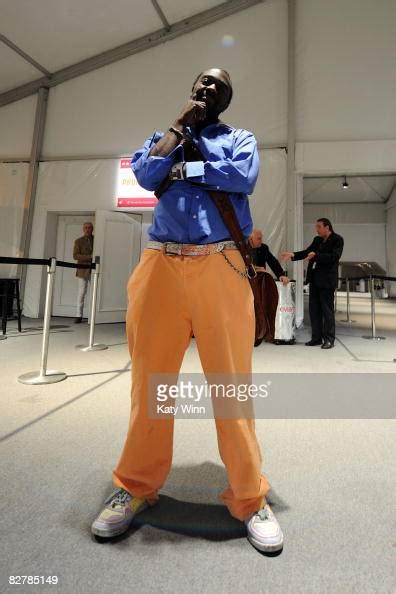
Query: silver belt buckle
<point x="168" y="250"/>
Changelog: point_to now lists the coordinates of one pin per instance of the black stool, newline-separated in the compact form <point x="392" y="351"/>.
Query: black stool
<point x="9" y="290"/>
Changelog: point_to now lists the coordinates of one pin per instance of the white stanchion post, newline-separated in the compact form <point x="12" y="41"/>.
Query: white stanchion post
<point x="4" y="306"/>
<point x="373" y="326"/>
<point x="45" y="376"/>
<point x="348" y="305"/>
<point x="91" y="345"/>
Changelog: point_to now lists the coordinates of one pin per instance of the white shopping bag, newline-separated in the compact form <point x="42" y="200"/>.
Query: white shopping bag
<point x="285" y="320"/>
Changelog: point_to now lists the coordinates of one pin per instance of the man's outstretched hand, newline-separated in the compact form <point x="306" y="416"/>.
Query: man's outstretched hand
<point x="285" y="256"/>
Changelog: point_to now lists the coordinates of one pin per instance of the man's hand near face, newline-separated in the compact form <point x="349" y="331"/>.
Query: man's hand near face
<point x="192" y="112"/>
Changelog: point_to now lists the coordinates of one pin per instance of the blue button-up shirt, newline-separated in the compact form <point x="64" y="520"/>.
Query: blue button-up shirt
<point x="185" y="212"/>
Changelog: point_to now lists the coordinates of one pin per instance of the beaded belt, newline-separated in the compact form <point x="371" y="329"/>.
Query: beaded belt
<point x="191" y="249"/>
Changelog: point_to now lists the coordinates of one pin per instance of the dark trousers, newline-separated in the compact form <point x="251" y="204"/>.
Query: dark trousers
<point x="321" y="313"/>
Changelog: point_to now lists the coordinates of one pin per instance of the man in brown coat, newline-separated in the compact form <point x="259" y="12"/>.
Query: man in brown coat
<point x="82" y="252"/>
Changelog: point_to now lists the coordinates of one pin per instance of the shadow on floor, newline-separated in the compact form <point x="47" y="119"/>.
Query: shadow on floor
<point x="209" y="521"/>
<point x="204" y="520"/>
<point x="99" y="372"/>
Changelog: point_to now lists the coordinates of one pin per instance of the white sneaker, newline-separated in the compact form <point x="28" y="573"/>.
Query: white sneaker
<point x="117" y="515"/>
<point x="264" y="532"/>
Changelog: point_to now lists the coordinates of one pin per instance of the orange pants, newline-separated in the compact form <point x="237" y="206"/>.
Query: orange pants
<point x="172" y="297"/>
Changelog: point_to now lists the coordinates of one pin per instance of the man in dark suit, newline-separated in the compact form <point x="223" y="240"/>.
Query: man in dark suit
<point x="323" y="255"/>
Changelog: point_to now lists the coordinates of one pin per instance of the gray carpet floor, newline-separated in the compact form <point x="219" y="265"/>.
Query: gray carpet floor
<point x="333" y="481"/>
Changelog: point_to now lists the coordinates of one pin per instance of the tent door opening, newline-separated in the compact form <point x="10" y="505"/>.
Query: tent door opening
<point x="118" y="243"/>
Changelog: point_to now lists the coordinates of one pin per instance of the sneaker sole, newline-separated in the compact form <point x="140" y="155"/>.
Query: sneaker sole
<point x="272" y="548"/>
<point x="110" y="533"/>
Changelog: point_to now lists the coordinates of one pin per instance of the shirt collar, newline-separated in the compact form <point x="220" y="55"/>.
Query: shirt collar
<point x="204" y="131"/>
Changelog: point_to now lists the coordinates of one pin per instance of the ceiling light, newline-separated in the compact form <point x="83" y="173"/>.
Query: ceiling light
<point x="345" y="184"/>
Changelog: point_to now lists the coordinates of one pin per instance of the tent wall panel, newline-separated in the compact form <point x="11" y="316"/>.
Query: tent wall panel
<point x="346" y="79"/>
<point x="391" y="239"/>
<point x="13" y="179"/>
<point x="322" y="158"/>
<point x="16" y="128"/>
<point x="268" y="203"/>
<point x="345" y="213"/>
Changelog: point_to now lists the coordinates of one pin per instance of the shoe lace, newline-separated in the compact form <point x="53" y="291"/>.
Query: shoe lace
<point x="120" y="497"/>
<point x="264" y="514"/>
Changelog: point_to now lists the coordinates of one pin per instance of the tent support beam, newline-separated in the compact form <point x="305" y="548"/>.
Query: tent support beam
<point x="31" y="187"/>
<point x="294" y="182"/>
<point x="24" y="55"/>
<point x="161" y="15"/>
<point x="129" y="49"/>
<point x="291" y="129"/>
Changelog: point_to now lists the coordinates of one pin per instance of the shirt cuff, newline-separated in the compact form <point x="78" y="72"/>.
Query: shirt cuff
<point x="195" y="168"/>
<point x="154" y="139"/>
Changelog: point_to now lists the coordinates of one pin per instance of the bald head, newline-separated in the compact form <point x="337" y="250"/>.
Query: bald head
<point x="218" y="73"/>
<point x="256" y="238"/>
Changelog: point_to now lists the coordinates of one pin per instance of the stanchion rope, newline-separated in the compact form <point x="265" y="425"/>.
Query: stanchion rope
<point x="44" y="262"/>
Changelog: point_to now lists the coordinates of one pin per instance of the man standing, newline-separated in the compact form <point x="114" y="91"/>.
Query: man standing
<point x="191" y="279"/>
<point x="323" y="255"/>
<point x="263" y="256"/>
<point x="82" y="252"/>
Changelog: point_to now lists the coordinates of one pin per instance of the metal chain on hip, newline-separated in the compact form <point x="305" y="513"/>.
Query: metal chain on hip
<point x="240" y="272"/>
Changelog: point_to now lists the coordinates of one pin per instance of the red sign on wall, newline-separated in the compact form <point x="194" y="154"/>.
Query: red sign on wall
<point x="129" y="193"/>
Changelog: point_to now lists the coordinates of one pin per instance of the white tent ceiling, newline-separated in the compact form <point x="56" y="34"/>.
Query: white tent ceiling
<point x="59" y="34"/>
<point x="14" y="70"/>
<point x="361" y="189"/>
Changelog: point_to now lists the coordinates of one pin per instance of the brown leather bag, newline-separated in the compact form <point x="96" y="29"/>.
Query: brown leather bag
<point x="264" y="289"/>
<point x="269" y="304"/>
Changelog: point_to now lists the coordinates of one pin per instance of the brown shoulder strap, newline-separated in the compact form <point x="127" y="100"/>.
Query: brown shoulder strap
<point x="227" y="212"/>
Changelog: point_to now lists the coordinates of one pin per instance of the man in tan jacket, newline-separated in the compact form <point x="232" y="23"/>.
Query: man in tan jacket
<point x="82" y="252"/>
